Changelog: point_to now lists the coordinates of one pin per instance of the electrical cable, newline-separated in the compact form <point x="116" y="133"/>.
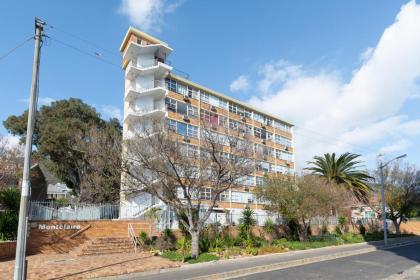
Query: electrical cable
<point x="16" y="47"/>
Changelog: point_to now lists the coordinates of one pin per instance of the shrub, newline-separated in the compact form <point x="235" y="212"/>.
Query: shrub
<point x="204" y="244"/>
<point x="251" y="251"/>
<point x="269" y="228"/>
<point x="338" y="230"/>
<point x="324" y="229"/>
<point x="246" y="222"/>
<point x="293" y="230"/>
<point x="362" y="229"/>
<point x="166" y="241"/>
<point x="9" y="224"/>
<point x="144" y="239"/>
<point x="352" y="238"/>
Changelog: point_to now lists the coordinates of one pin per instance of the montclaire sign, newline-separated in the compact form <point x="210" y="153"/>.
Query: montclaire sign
<point x="58" y="227"/>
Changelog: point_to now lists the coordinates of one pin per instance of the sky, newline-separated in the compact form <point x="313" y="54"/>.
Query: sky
<point x="345" y="73"/>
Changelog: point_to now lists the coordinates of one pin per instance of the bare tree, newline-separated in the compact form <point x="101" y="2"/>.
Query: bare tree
<point x="100" y="167"/>
<point x="302" y="198"/>
<point x="11" y="162"/>
<point x="402" y="192"/>
<point x="188" y="177"/>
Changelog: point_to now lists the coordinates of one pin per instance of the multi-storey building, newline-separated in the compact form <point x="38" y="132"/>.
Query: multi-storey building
<point x="153" y="92"/>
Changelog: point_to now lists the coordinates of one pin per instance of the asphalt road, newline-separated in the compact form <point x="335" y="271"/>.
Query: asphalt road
<point x="374" y="265"/>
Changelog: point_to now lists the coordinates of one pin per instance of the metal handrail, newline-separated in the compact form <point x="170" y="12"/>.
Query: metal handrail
<point x="133" y="237"/>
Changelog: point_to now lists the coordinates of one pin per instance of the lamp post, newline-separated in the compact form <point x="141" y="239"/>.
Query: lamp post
<point x="381" y="170"/>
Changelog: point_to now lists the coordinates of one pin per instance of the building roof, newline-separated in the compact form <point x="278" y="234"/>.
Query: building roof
<point x="135" y="31"/>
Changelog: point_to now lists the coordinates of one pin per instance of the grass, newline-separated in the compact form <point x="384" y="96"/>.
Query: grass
<point x="177" y="257"/>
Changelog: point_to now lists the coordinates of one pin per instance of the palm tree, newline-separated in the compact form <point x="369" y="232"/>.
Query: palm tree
<point x="154" y="215"/>
<point x="344" y="170"/>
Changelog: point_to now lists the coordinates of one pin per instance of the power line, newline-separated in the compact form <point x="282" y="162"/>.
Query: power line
<point x="53" y="27"/>
<point x="95" y="55"/>
<point x="16" y="47"/>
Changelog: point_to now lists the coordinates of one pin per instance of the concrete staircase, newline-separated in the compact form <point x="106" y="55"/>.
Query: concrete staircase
<point x="105" y="245"/>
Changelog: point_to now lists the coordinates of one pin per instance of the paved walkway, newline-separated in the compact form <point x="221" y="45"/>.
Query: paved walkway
<point x="213" y="270"/>
<point x="65" y="266"/>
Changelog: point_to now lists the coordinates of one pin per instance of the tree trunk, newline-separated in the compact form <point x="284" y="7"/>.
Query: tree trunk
<point x="397" y="227"/>
<point x="195" y="249"/>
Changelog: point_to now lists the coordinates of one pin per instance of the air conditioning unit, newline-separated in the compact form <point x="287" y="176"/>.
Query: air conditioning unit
<point x="186" y="139"/>
<point x="186" y="98"/>
<point x="264" y="142"/>
<point x="186" y="118"/>
<point x="286" y="148"/>
<point x="213" y="127"/>
<point x="243" y="119"/>
<point x="288" y="162"/>
<point x="263" y="127"/>
<point x="213" y="108"/>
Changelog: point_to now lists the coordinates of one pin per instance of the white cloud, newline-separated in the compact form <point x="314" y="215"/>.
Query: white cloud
<point x="45" y="101"/>
<point x="333" y="115"/>
<point x="111" y="111"/>
<point x="10" y="141"/>
<point x="148" y="14"/>
<point x="41" y="101"/>
<point x="241" y="84"/>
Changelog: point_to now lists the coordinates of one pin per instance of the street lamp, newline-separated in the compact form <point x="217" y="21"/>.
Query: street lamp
<point x="381" y="169"/>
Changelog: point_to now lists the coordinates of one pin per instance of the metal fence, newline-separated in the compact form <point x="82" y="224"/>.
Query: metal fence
<point x="80" y="211"/>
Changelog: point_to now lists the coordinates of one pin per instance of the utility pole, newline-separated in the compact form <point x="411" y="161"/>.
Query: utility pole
<point x="19" y="273"/>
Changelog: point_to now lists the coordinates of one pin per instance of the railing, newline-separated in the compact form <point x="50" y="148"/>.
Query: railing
<point x="133" y="237"/>
<point x="152" y="63"/>
<point x="156" y="83"/>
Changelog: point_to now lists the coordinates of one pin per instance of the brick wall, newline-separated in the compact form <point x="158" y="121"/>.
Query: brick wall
<point x="7" y="249"/>
<point x="56" y="236"/>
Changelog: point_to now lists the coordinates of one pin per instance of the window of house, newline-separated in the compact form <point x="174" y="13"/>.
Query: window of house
<point x="205" y="194"/>
<point x="259" y="180"/>
<point x="283" y="140"/>
<point x="171" y="125"/>
<point x="171" y="85"/>
<point x="233" y="108"/>
<point x="233" y="124"/>
<point x="205" y="115"/>
<point x="192" y="111"/>
<point x="170" y="104"/>
<point x="214" y="119"/>
<point x="204" y="96"/>
<point x="223" y="121"/>
<point x="182" y="108"/>
<point x="192" y="131"/>
<point x="181" y="128"/>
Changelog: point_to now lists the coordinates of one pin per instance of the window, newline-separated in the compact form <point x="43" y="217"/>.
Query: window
<point x="192" y="111"/>
<point x="259" y="180"/>
<point x="214" y="119"/>
<point x="224" y="196"/>
<point x="170" y="104"/>
<point x="283" y="140"/>
<point x="260" y="133"/>
<point x="223" y="121"/>
<point x="204" y="96"/>
<point x="182" y="108"/>
<point x="171" y="125"/>
<point x="181" y="128"/>
<point x="205" y="115"/>
<point x="233" y="108"/>
<point x="192" y="131"/>
<point x="171" y="85"/>
<point x="205" y="194"/>
<point x="233" y="124"/>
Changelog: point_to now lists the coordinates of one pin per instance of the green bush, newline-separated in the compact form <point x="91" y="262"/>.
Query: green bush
<point x="362" y="229"/>
<point x="204" y="244"/>
<point x="166" y="241"/>
<point x="324" y="229"/>
<point x="178" y="257"/>
<point x="9" y="224"/>
<point x="251" y="250"/>
<point x="352" y="238"/>
<point x="144" y="239"/>
<point x="338" y="230"/>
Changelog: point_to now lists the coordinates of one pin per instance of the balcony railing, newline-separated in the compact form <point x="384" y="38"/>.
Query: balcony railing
<point x="156" y="84"/>
<point x="152" y="63"/>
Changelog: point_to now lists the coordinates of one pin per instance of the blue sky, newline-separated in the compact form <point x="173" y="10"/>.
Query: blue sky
<point x="345" y="72"/>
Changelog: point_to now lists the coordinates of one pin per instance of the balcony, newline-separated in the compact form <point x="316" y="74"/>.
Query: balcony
<point x="154" y="113"/>
<point x="134" y="50"/>
<point x="159" y="69"/>
<point x="158" y="91"/>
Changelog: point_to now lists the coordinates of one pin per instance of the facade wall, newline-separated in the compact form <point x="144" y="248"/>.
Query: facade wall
<point x="187" y="105"/>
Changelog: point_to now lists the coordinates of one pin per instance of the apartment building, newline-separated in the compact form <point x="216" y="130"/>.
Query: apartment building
<point x="154" y="92"/>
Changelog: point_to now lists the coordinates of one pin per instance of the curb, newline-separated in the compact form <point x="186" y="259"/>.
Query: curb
<point x="294" y="263"/>
<point x="253" y="270"/>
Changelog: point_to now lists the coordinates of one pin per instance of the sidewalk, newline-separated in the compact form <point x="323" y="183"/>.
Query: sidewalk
<point x="66" y="266"/>
<point x="244" y="266"/>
